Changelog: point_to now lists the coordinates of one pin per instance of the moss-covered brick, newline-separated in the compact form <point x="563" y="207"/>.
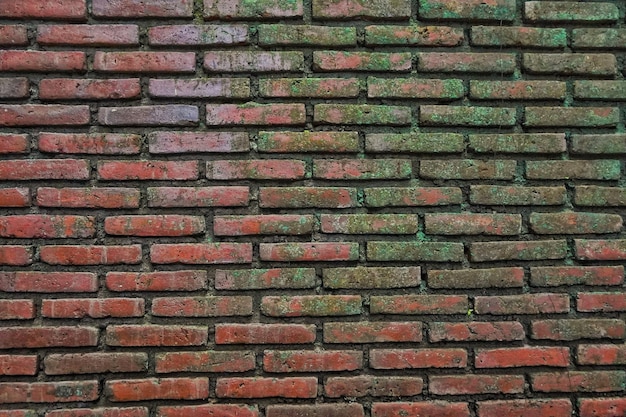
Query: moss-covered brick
<point x="518" y="36"/>
<point x="596" y="196"/>
<point x="309" y="87"/>
<point x="309" y="252"/>
<point x="578" y="169"/>
<point x="396" y="224"/>
<point x="473" y="224"/>
<point x="510" y="277"/>
<point x="303" y="197"/>
<point x="414" y="142"/>
<point x="570" y="11"/>
<point x="260" y="169"/>
<point x="600" y="90"/>
<point x="565" y="223"/>
<point x="508" y="195"/>
<point x="306" y="35"/>
<point x="444" y="90"/>
<point x="256" y="279"/>
<point x="517" y="90"/>
<point x="555" y="276"/>
<point x="418" y="304"/>
<point x="570" y="64"/>
<point x="433" y="115"/>
<point x="599" y="144"/>
<point x="361" y="61"/>
<point x="257" y="9"/>
<point x="369" y="9"/>
<point x="466" y="62"/>
<point x="518" y="250"/>
<point x="362" y="114"/>
<point x="412" y="196"/>
<point x="494" y="10"/>
<point x="307" y="141"/>
<point x="205" y="35"/>
<point x="467" y="169"/>
<point x="571" y="116"/>
<point x="518" y="143"/>
<point x="415" y="251"/>
<point x="268" y="224"/>
<point x="600" y="249"/>
<point x="413" y="35"/>
<point x="599" y="38"/>
<point x="311" y="305"/>
<point x="361" y="169"/>
<point x="372" y="277"/>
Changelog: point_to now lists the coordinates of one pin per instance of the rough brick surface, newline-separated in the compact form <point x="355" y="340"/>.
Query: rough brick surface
<point x="312" y="208"/>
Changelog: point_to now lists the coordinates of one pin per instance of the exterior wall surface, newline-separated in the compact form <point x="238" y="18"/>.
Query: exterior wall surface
<point x="312" y="208"/>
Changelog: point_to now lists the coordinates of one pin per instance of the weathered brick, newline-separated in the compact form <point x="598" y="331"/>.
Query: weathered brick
<point x="373" y="9"/>
<point x="271" y="224"/>
<point x="362" y="169"/>
<point x="43" y="115"/>
<point x="257" y="279"/>
<point x="372" y="332"/>
<point x="520" y="250"/>
<point x="227" y="196"/>
<point x="42" y="226"/>
<point x="157" y="389"/>
<point x="14" y="143"/>
<point x="574" y="329"/>
<point x="599" y="38"/>
<point x="442" y="90"/>
<point x="599" y="144"/>
<point x="602" y="407"/>
<point x="522" y="356"/>
<point x="13" y="35"/>
<point x="306" y="35"/>
<point x="255" y="114"/>
<point x="414" y="142"/>
<point x="573" y="381"/>
<point x="361" y="61"/>
<point x="145" y="62"/>
<point x="538" y="303"/>
<point x="518" y="36"/>
<point x="574" y="169"/>
<point x="605" y="354"/>
<point x="154" y="225"/>
<point x="142" y="8"/>
<point x="554" y="276"/>
<point x="208" y="306"/>
<point x="476" y="384"/>
<point x="475" y="331"/>
<point x="302" y="197"/>
<point x="466" y="62"/>
<point x="147" y="170"/>
<point x="372" y="277"/>
<point x="543" y="143"/>
<point x="499" y="195"/>
<point x="525" y="408"/>
<point x="16" y="310"/>
<point x="591" y="195"/>
<point x="266" y="169"/>
<point x="413" y="35"/>
<point x="309" y="252"/>
<point x="579" y="116"/>
<point x="600" y="90"/>
<point x="570" y="64"/>
<point x="309" y="87"/>
<point x="88" y="35"/>
<point x="415" y="251"/>
<point x="162" y="115"/>
<point x="499" y="10"/>
<point x="201" y="253"/>
<point x="88" y="198"/>
<point x="361" y="114"/>
<point x="418" y="304"/>
<point x="473" y="224"/>
<point x="417" y="358"/>
<point x="559" y="11"/>
<point x="17" y="87"/>
<point x="467" y="169"/>
<point x="74" y="89"/>
<point x="205" y="361"/>
<point x="46" y="337"/>
<point x="156" y="335"/>
<point x="326" y="410"/>
<point x="256" y="61"/>
<point x="260" y="9"/>
<point x="200" y="88"/>
<point x="600" y="301"/>
<point x="264" y="334"/>
<point x="476" y="278"/>
<point x="196" y="35"/>
<point x="257" y="387"/>
<point x="90" y="255"/>
<point x="307" y="141"/>
<point x="44" y="9"/>
<point x="312" y="361"/>
<point x="575" y="223"/>
<point x="517" y="90"/>
<point x="100" y="412"/>
<point x="376" y="386"/>
<point x="48" y="392"/>
<point x="95" y="143"/>
<point x="95" y="363"/>
<point x="410" y="197"/>
<point x="78" y="308"/>
<point x="156" y="281"/>
<point x="600" y="250"/>
<point x="311" y="305"/>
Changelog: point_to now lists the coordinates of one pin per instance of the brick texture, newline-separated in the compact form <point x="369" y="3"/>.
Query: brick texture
<point x="312" y="208"/>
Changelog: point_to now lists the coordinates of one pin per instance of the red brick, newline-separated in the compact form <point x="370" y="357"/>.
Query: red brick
<point x="253" y="61"/>
<point x="255" y="114"/>
<point x="201" y="88"/>
<point x="266" y="169"/>
<point x="257" y="387"/>
<point x="48" y="392"/>
<point x="42" y="61"/>
<point x="208" y="410"/>
<point x="270" y="224"/>
<point x="308" y="361"/>
<point x="148" y="170"/>
<point x="376" y="386"/>
<point x="600" y="250"/>
<point x="43" y="115"/>
<point x="302" y="197"/>
<point x="15" y="197"/>
<point x="13" y="35"/>
<point x="206" y="361"/>
<point x="95" y="363"/>
<point x="208" y="306"/>
<point x="430" y="408"/>
<point x="90" y="255"/>
<point x="576" y="381"/>
<point x="198" y="196"/>
<point x="522" y="356"/>
<point x="44" y="9"/>
<point x="16" y="255"/>
<point x="31" y="226"/>
<point x="525" y="408"/>
<point x="209" y="142"/>
<point x="208" y="253"/>
<point x="417" y="358"/>
<point x="157" y="389"/>
<point x="573" y="329"/>
<point x="92" y="197"/>
<point x="309" y="252"/>
<point x="88" y="89"/>
<point x="476" y="384"/>
<point x="88" y="35"/>
<point x="77" y="308"/>
<point x="156" y="335"/>
<point x="108" y="144"/>
<point x="145" y="62"/>
<point x="44" y="169"/>
<point x="410" y="197"/>
<point x="476" y="331"/>
<point x="156" y="281"/>
<point x="18" y="364"/>
<point x="601" y="354"/>
<point x="264" y="334"/>
<point x="48" y="282"/>
<point x="418" y="304"/>
<point x="372" y="332"/>
<point x="361" y="61"/>
<point x="14" y="143"/>
<point x="142" y="8"/>
<point x="18" y="87"/>
<point x="45" y="337"/>
<point x="100" y="412"/>
<point x="311" y="305"/>
<point x="154" y="225"/>
<point x="259" y="9"/>
<point x="602" y="407"/>
<point x="18" y="413"/>
<point x="184" y="35"/>
<point x="253" y="279"/>
<point x="605" y="302"/>
<point x="17" y="309"/>
<point x="317" y="410"/>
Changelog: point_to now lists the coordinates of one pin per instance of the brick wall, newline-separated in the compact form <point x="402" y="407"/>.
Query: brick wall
<point x="312" y="208"/>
